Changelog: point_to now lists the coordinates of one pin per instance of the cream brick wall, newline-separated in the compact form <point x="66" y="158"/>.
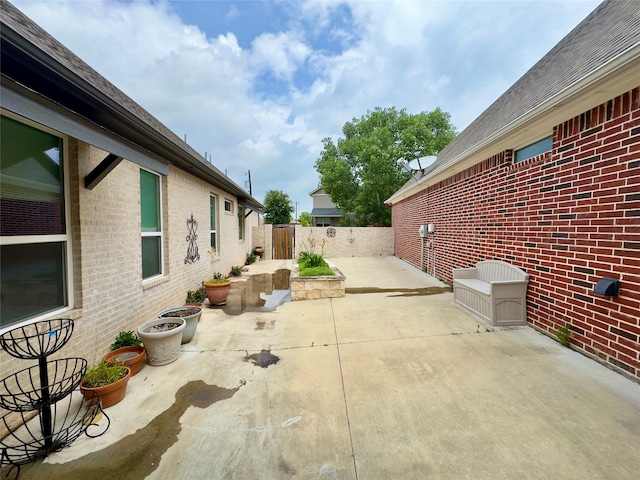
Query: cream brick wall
<point x="110" y="295"/>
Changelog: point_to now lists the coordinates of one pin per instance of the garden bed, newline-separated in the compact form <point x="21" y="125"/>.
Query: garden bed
<point x="310" y="288"/>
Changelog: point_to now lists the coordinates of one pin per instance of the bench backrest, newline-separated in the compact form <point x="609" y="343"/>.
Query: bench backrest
<point x="495" y="270"/>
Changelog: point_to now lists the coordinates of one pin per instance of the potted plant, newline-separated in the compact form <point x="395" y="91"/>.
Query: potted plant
<point x="196" y="297"/>
<point x="251" y="258"/>
<point x="108" y="380"/>
<point x="161" y="339"/>
<point x="127" y="348"/>
<point x="218" y="286"/>
<point x="191" y="315"/>
<point x="259" y="251"/>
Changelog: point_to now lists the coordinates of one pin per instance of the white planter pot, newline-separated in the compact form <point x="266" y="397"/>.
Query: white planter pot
<point x="162" y="344"/>
<point x="192" y="320"/>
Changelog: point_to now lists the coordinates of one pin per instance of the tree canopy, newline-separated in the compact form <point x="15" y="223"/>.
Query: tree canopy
<point x="277" y="207"/>
<point x="362" y="170"/>
<point x="305" y="219"/>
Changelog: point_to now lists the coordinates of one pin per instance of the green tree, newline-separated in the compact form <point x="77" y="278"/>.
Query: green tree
<point x="305" y="219"/>
<point x="277" y="207"/>
<point x="362" y="170"/>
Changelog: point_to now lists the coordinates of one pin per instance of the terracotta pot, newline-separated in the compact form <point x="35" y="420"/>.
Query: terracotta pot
<point x="109" y="394"/>
<point x="217" y="293"/>
<point x="161" y="339"/>
<point x="192" y="320"/>
<point x="131" y="355"/>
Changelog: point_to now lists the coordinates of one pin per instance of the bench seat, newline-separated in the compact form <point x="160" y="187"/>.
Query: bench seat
<point x="495" y="291"/>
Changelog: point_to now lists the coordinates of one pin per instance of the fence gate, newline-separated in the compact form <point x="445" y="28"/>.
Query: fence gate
<point x="283" y="236"/>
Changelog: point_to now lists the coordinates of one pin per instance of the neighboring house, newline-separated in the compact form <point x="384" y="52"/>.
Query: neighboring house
<point x="97" y="199"/>
<point x="324" y="213"/>
<point x="548" y="179"/>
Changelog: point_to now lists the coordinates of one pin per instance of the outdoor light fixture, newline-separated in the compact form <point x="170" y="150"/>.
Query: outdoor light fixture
<point x="608" y="287"/>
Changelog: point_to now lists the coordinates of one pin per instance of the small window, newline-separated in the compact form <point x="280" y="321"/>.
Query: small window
<point x="535" y="149"/>
<point x="228" y="206"/>
<point x="213" y="222"/>
<point x="151" y="222"/>
<point x="323" y="221"/>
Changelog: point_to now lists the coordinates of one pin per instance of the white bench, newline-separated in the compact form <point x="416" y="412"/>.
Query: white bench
<point x="495" y="291"/>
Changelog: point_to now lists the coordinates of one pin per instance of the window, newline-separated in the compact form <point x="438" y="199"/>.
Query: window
<point x="213" y="228"/>
<point x="151" y="222"/>
<point x="323" y="222"/>
<point x="228" y="206"/>
<point x="240" y="222"/>
<point x="34" y="243"/>
<point x="536" y="148"/>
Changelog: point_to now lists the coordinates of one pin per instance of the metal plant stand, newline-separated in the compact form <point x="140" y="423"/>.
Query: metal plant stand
<point x="46" y="411"/>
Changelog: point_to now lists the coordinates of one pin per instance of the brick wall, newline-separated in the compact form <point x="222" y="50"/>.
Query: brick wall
<point x="109" y="294"/>
<point x="568" y="217"/>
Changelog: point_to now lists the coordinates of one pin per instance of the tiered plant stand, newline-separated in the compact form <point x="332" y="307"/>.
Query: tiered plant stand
<point x="46" y="411"/>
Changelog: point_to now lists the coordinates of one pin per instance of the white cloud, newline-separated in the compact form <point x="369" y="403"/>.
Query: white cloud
<point x="329" y="61"/>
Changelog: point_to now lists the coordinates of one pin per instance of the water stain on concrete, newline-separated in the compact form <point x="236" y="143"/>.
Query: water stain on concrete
<point x="258" y="293"/>
<point x="137" y="455"/>
<point x="402" y="292"/>
<point x="262" y="359"/>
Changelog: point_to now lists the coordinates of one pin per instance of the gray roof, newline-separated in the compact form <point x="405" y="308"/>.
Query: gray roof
<point x="33" y="58"/>
<point x="610" y="31"/>
<point x="326" y="212"/>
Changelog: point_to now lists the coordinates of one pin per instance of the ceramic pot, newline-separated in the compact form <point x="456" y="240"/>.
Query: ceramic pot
<point x="191" y="319"/>
<point x="109" y="394"/>
<point x="162" y="339"/>
<point x="217" y="293"/>
<point x="132" y="355"/>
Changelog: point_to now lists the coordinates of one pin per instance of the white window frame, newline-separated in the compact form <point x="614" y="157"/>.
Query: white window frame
<point x="154" y="234"/>
<point x="533" y="149"/>
<point x="33" y="239"/>
<point x="215" y="222"/>
<point x="230" y="203"/>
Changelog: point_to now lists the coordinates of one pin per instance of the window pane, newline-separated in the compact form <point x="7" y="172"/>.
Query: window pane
<point x="33" y="280"/>
<point x="213" y="240"/>
<point x="240" y="222"/>
<point x="212" y="213"/>
<point x="530" y="151"/>
<point x="151" y="257"/>
<point x="150" y="201"/>
<point x="31" y="187"/>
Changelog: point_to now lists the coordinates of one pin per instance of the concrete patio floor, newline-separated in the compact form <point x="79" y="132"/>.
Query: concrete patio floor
<point x="383" y="385"/>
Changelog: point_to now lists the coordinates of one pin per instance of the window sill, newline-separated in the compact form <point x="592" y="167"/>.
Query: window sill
<point x="153" y="282"/>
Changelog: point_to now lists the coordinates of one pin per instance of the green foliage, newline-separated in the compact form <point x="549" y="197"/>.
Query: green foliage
<point x="305" y="219"/>
<point x="361" y="170"/>
<point x="251" y="258"/>
<point x="277" y="207"/>
<point x="126" y="339"/>
<point x="564" y="334"/>
<point x="235" y="271"/>
<point x="196" y="296"/>
<point x="104" y="374"/>
<point x="311" y="260"/>
<point x="321" y="271"/>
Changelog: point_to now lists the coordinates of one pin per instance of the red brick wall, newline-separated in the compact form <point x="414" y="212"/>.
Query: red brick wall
<point x="568" y="217"/>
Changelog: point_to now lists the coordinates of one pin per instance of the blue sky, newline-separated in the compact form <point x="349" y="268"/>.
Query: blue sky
<point x="257" y="85"/>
